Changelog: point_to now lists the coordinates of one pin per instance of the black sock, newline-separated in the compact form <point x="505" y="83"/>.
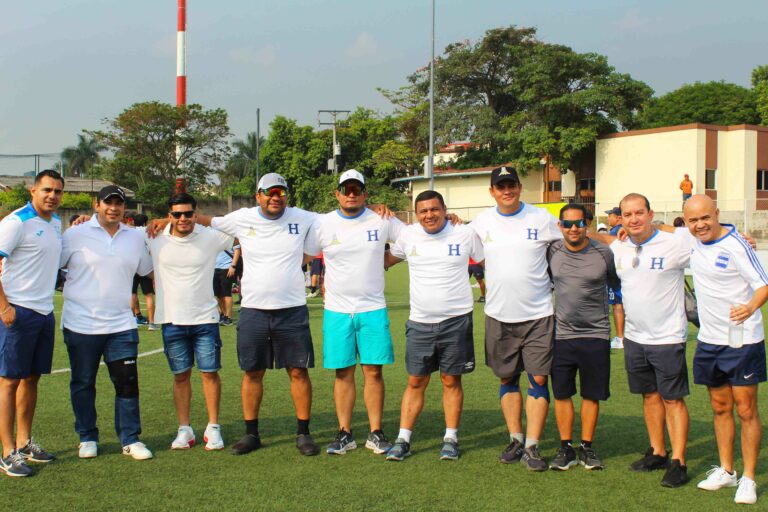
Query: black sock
<point x="586" y="444"/>
<point x="302" y="427"/>
<point x="313" y="289"/>
<point x="565" y="443"/>
<point x="252" y="427"/>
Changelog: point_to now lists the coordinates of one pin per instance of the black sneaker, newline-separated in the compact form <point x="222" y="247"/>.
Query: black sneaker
<point x="564" y="459"/>
<point x="15" y="465"/>
<point x="676" y="474"/>
<point x="306" y="445"/>
<point x="532" y="460"/>
<point x="246" y="444"/>
<point x="512" y="453"/>
<point x="342" y="444"/>
<point x="225" y="321"/>
<point x="141" y="320"/>
<point x="589" y="459"/>
<point x="650" y="462"/>
<point x="378" y="442"/>
<point x="481" y="299"/>
<point x="32" y="452"/>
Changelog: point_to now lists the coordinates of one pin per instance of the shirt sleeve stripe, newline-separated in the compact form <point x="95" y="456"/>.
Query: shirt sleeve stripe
<point x="3" y="254"/>
<point x="752" y="258"/>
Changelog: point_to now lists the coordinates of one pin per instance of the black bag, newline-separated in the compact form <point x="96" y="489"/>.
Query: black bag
<point x="691" y="305"/>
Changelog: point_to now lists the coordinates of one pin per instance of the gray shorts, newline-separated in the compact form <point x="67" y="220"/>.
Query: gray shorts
<point x="512" y="347"/>
<point x="656" y="368"/>
<point x="274" y="338"/>
<point x="448" y="346"/>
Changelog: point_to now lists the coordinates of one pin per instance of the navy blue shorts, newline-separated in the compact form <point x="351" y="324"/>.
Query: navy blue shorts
<point x="26" y="347"/>
<point x="274" y="338"/>
<point x="716" y="365"/>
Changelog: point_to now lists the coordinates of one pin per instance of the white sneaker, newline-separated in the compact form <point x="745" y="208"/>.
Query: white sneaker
<point x="617" y="342"/>
<point x="153" y="327"/>
<point x="212" y="437"/>
<point x="138" y="451"/>
<point x="718" y="478"/>
<point x="88" y="450"/>
<point x="185" y="438"/>
<point x="747" y="491"/>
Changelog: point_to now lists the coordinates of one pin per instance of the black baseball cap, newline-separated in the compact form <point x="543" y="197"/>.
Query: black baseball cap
<point x="615" y="211"/>
<point x="111" y="191"/>
<point x="504" y="173"/>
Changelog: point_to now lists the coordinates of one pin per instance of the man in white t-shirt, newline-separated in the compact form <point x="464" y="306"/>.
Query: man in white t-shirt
<point x="355" y="320"/>
<point x="184" y="257"/>
<point x="101" y="257"/>
<point x="439" y="329"/>
<point x="30" y="245"/>
<point x="731" y="287"/>
<point x="651" y="265"/>
<point x="519" y="324"/>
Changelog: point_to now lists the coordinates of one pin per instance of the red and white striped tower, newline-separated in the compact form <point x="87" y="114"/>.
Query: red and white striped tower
<point x="181" y="73"/>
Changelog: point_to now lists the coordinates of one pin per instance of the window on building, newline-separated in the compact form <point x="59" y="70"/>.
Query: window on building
<point x="555" y="186"/>
<point x="710" y="183"/>
<point x="762" y="179"/>
<point x="587" y="184"/>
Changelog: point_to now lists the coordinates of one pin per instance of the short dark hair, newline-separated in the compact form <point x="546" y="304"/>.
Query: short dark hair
<point x="679" y="222"/>
<point x="182" y="198"/>
<point x="634" y="195"/>
<point x="140" y="220"/>
<point x="427" y="195"/>
<point x="48" y="173"/>
<point x="574" y="206"/>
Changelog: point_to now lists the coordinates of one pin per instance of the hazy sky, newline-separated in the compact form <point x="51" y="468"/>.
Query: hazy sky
<point x="67" y="64"/>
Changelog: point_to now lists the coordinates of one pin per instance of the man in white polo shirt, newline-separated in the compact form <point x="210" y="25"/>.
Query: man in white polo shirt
<point x="184" y="257"/>
<point x="30" y="243"/>
<point x="519" y="324"/>
<point x="651" y="265"/>
<point x="355" y="321"/>
<point x="439" y="329"/>
<point x="731" y="287"/>
<point x="101" y="257"/>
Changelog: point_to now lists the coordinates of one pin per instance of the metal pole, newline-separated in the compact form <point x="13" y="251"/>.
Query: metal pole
<point x="258" y="144"/>
<point x="431" y="163"/>
<point x="181" y="66"/>
<point x="335" y="165"/>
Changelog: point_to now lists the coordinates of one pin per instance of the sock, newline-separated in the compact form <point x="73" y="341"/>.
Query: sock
<point x="452" y="434"/>
<point x="517" y="436"/>
<point x="252" y="427"/>
<point x="405" y="435"/>
<point x="586" y="444"/>
<point x="213" y="425"/>
<point x="565" y="443"/>
<point x="531" y="442"/>
<point x="302" y="427"/>
<point x="313" y="289"/>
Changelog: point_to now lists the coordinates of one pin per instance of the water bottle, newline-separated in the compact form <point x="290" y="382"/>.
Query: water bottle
<point x="735" y="333"/>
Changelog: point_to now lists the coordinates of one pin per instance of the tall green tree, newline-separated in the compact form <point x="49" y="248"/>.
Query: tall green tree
<point x="144" y="139"/>
<point x="239" y="175"/>
<point x="79" y="159"/>
<point x="760" y="87"/>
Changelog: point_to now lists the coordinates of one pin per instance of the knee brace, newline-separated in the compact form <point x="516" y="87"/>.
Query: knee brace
<point x="537" y="391"/>
<point x="125" y="377"/>
<point x="512" y="386"/>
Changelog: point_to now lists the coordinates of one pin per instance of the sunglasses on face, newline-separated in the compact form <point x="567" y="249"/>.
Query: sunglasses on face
<point x="186" y="214"/>
<point x="568" y="224"/>
<point x="274" y="191"/>
<point x="355" y="190"/>
<point x="636" y="259"/>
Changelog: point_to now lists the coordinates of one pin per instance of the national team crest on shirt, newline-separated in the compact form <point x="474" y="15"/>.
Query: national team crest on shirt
<point x="413" y="252"/>
<point x="251" y="232"/>
<point x="487" y="238"/>
<point x="722" y="260"/>
<point x="335" y="240"/>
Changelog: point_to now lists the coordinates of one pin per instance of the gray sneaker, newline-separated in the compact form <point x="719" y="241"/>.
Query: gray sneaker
<point x="378" y="442"/>
<point x="532" y="460"/>
<point x="589" y="459"/>
<point x="512" y="453"/>
<point x="564" y="459"/>
<point x="342" y="444"/>
<point x="15" y="465"/>
<point x="400" y="450"/>
<point x="450" y="450"/>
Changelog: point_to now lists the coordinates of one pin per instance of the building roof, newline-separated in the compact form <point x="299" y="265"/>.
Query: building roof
<point x="451" y="173"/>
<point x="74" y="185"/>
<point x="681" y="127"/>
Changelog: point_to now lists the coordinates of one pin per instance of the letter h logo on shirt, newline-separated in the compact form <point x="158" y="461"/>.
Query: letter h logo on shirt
<point x="533" y="234"/>
<point x="453" y="250"/>
<point x="657" y="263"/>
<point x="293" y="229"/>
<point x="373" y="235"/>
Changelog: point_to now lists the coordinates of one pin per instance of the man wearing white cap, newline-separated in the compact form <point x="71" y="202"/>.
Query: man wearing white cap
<point x="355" y="322"/>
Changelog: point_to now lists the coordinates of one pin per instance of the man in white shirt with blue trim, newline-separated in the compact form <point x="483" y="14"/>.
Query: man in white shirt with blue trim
<point x="101" y="257"/>
<point x="30" y="242"/>
<point x="731" y="287"/>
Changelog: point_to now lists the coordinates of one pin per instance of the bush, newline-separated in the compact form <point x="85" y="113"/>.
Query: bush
<point x="80" y="201"/>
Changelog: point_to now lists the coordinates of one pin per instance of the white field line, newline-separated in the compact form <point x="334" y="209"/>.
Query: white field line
<point x="143" y="354"/>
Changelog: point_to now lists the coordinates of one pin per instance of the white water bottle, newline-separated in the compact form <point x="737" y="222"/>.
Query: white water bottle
<point x="735" y="332"/>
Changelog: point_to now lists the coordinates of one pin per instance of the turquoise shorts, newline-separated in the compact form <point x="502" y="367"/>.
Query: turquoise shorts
<point x="349" y="335"/>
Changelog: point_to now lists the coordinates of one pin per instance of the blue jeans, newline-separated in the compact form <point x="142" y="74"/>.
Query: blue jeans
<point x="186" y="343"/>
<point x="85" y="353"/>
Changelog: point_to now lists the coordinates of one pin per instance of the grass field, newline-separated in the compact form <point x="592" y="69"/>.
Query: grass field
<point x="278" y="478"/>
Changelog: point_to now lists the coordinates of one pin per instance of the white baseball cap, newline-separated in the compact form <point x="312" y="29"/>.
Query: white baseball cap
<point x="272" y="180"/>
<point x="602" y="227"/>
<point x="351" y="174"/>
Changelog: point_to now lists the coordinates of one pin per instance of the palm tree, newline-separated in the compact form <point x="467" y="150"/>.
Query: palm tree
<point x="243" y="162"/>
<point x="80" y="158"/>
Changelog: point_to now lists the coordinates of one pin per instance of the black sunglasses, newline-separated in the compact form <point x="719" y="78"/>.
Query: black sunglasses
<point x="568" y="224"/>
<point x="187" y="214"/>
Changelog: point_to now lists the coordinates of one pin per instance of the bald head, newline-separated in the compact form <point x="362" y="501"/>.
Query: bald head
<point x="703" y="218"/>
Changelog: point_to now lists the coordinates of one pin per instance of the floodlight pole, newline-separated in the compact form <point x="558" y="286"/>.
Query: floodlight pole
<point x="333" y="123"/>
<point x="181" y="74"/>
<point x="258" y="144"/>
<point x="431" y="162"/>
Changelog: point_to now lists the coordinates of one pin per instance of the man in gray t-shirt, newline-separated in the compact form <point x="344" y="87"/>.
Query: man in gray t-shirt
<point x="581" y="270"/>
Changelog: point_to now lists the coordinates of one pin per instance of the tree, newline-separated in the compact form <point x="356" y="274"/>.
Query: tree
<point x="760" y="87"/>
<point x="144" y="139"/>
<point x="80" y="158"/>
<point x="709" y="102"/>
<point x="239" y="175"/>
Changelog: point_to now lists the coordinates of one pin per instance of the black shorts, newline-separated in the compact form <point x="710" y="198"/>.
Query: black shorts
<point x="656" y="368"/>
<point x="147" y="286"/>
<point x="478" y="271"/>
<point x="274" y="338"/>
<point x="591" y="357"/>
<point x="512" y="347"/>
<point x="448" y="346"/>
<point x="317" y="267"/>
<point x="222" y="285"/>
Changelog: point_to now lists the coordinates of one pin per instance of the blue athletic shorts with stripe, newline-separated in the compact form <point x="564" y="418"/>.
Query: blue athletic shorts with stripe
<point x="716" y="365"/>
<point x="349" y="335"/>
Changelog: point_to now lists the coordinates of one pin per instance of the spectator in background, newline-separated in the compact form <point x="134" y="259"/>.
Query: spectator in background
<point x="147" y="287"/>
<point x="679" y="222"/>
<point x="224" y="276"/>
<point x="687" y="187"/>
<point x="614" y="220"/>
